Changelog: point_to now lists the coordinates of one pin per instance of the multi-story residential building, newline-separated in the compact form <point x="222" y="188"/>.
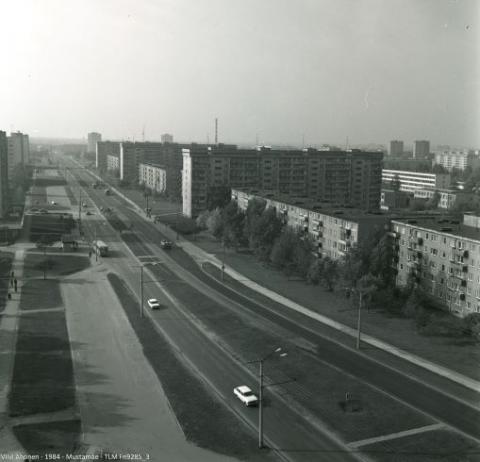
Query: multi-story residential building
<point x="396" y="148"/>
<point x="113" y="163"/>
<point x="153" y="176"/>
<point x="18" y="150"/>
<point x="457" y="159"/>
<point x="443" y="257"/>
<point x="334" y="177"/>
<point x="167" y="138"/>
<point x="446" y="198"/>
<point x="421" y="149"/>
<point x="93" y="139"/>
<point x="410" y="181"/>
<point x="3" y="174"/>
<point x="104" y="150"/>
<point x="334" y="231"/>
<point x="391" y="199"/>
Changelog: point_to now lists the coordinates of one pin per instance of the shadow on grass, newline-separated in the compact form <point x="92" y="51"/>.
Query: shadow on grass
<point x="40" y="294"/>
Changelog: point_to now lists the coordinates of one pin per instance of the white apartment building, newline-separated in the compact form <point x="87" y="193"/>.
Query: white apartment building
<point x="457" y="159"/>
<point x="18" y="148"/>
<point x="154" y="176"/>
<point x="113" y="162"/>
<point x="411" y="181"/>
<point x="443" y="257"/>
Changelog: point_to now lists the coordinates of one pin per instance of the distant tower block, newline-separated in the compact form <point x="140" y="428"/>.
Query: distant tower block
<point x="216" y="130"/>
<point x="167" y="138"/>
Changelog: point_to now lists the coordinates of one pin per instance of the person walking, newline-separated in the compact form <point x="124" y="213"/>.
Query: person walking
<point x="15" y="283"/>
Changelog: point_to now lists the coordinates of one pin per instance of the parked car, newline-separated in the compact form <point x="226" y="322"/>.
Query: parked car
<point x="43" y="211"/>
<point x="53" y="203"/>
<point x="245" y="395"/>
<point x="166" y="245"/>
<point x="89" y="213"/>
<point x="153" y="303"/>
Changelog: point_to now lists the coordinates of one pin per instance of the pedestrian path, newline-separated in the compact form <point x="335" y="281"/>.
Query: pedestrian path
<point x="8" y="336"/>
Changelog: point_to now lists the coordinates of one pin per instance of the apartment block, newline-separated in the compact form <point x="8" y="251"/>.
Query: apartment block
<point x="104" y="149"/>
<point x="459" y="160"/>
<point x="334" y="231"/>
<point x="396" y="148"/>
<point x="92" y="140"/>
<point x="167" y="138"/>
<point x="3" y="174"/>
<point x="411" y="181"/>
<point x="18" y="147"/>
<point x="421" y="149"/>
<point x="442" y="256"/>
<point x="153" y="176"/>
<point x="334" y="177"/>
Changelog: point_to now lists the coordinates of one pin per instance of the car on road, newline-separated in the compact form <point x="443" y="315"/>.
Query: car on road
<point x="88" y="213"/>
<point x="53" y="203"/>
<point x="166" y="245"/>
<point x="84" y="204"/>
<point x="153" y="303"/>
<point x="245" y="395"/>
<point x="43" y="211"/>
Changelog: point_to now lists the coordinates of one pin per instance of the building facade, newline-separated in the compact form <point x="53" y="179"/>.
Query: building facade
<point x="153" y="176"/>
<point x="92" y="140"/>
<point x="3" y="174"/>
<point x="167" y="138"/>
<point x="446" y="198"/>
<point x="334" y="177"/>
<point x="396" y="148"/>
<point x="411" y="181"/>
<point x="104" y="149"/>
<point x="333" y="231"/>
<point x="18" y="147"/>
<point x="459" y="160"/>
<point x="442" y="256"/>
<point x="421" y="149"/>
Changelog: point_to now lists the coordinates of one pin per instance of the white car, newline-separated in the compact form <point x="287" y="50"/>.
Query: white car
<point x="53" y="203"/>
<point x="245" y="395"/>
<point x="153" y="303"/>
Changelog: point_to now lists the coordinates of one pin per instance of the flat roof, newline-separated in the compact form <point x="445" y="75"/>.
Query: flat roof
<point x="437" y="224"/>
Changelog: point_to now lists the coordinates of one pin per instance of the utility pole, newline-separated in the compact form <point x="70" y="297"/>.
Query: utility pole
<point x="141" y="291"/>
<point x="260" y="408"/>
<point x="223" y="260"/>
<point x="359" y="319"/>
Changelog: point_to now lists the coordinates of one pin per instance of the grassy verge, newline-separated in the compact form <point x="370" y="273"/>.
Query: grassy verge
<point x="42" y="378"/>
<point x="73" y="200"/>
<point x="6" y="259"/>
<point x="189" y="398"/>
<point x="57" y="264"/>
<point x="433" y="446"/>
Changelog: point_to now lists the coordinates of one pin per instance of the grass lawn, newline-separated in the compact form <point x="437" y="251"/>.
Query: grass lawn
<point x="59" y="264"/>
<point x="434" y="446"/>
<point x="190" y="399"/>
<point x="42" y="378"/>
<point x="6" y="259"/>
<point x="49" y="438"/>
<point x="458" y="355"/>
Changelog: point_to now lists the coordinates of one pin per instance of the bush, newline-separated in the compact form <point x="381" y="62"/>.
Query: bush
<point x="472" y="325"/>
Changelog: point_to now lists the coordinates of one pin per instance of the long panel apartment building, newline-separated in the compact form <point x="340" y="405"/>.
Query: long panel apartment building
<point x="443" y="257"/>
<point x="411" y="181"/>
<point x="334" y="177"/>
<point x="334" y="231"/>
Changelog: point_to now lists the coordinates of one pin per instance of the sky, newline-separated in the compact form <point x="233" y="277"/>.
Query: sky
<point x="276" y="71"/>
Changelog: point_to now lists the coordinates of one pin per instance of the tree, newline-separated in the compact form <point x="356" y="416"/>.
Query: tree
<point x="43" y="242"/>
<point x="254" y="210"/>
<point x="201" y="220"/>
<point x="433" y="202"/>
<point x="283" y="249"/>
<point x="315" y="271"/>
<point x="264" y="230"/>
<point x="329" y="273"/>
<point x="303" y="255"/>
<point x="215" y="223"/>
<point x="218" y="197"/>
<point x="233" y="222"/>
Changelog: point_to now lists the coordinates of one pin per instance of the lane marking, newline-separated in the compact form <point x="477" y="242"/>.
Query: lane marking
<point x="392" y="436"/>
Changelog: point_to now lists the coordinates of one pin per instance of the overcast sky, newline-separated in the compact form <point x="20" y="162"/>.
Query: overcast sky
<point x="369" y="70"/>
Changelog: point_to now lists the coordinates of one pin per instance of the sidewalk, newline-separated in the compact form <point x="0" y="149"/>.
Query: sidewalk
<point x="8" y="337"/>
<point x="202" y="256"/>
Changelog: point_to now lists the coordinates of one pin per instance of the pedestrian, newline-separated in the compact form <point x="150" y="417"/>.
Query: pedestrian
<point x="13" y="274"/>
<point x="90" y="254"/>
<point x="15" y="282"/>
<point x="11" y="282"/>
<point x="9" y="296"/>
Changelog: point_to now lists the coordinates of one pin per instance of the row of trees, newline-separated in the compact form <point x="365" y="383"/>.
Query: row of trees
<point x="294" y="252"/>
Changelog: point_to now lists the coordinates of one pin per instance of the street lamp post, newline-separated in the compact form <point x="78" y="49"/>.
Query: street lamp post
<point x="260" y="392"/>
<point x="359" y="319"/>
<point x="223" y="261"/>
<point x="141" y="284"/>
